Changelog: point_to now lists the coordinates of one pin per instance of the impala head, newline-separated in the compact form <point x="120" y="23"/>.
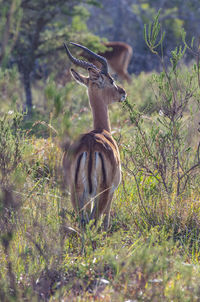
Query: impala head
<point x="99" y="83"/>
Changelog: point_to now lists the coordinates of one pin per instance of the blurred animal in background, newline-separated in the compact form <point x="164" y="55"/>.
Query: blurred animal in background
<point x="118" y="56"/>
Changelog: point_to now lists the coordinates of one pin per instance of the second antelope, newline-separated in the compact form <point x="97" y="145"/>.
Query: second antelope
<point x="92" y="164"/>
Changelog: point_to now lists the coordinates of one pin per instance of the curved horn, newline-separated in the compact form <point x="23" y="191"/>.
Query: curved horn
<point x="77" y="62"/>
<point x="99" y="58"/>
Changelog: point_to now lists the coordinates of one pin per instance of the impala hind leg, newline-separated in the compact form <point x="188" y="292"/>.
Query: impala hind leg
<point x="78" y="203"/>
<point x="106" y="221"/>
<point x="101" y="205"/>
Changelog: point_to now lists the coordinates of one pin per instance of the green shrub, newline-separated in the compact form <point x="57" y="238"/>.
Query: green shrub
<point x="160" y="153"/>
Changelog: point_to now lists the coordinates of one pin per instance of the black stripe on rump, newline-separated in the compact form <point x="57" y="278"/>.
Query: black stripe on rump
<point x="78" y="167"/>
<point x="103" y="168"/>
<point x="90" y="172"/>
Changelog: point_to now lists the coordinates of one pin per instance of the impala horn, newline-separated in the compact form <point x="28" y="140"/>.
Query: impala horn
<point x="77" y="62"/>
<point x="85" y="64"/>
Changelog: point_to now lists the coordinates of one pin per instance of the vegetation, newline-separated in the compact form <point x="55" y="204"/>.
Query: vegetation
<point x="125" y="21"/>
<point x="151" y="251"/>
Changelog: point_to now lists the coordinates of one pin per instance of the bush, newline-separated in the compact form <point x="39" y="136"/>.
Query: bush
<point x="160" y="153"/>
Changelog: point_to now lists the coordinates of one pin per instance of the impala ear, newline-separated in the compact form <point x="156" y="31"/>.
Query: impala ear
<point x="79" y="77"/>
<point x="96" y="77"/>
<point x="94" y="74"/>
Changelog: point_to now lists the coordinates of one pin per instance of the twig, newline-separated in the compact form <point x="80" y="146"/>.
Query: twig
<point x="138" y="188"/>
<point x="189" y="170"/>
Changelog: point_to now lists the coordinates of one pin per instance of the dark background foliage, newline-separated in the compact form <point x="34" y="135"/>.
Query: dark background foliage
<point x="32" y="32"/>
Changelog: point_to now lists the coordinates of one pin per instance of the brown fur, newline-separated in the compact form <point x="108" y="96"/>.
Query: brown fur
<point x="108" y="174"/>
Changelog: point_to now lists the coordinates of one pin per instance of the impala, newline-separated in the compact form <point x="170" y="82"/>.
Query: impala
<point x="92" y="164"/>
<point x="118" y="56"/>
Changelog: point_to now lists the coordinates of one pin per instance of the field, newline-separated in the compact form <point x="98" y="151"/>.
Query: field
<point x="151" y="250"/>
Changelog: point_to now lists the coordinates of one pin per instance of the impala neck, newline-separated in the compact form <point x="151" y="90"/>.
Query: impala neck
<point x="100" y="113"/>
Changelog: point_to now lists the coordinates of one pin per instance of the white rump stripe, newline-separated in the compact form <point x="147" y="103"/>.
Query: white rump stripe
<point x="83" y="175"/>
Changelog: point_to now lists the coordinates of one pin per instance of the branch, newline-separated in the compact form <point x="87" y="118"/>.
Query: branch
<point x="190" y="170"/>
<point x="198" y="151"/>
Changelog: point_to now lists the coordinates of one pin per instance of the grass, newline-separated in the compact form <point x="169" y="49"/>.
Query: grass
<point x="143" y="258"/>
<point x="151" y="251"/>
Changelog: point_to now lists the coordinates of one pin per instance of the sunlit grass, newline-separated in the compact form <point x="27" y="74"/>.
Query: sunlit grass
<point x="151" y="251"/>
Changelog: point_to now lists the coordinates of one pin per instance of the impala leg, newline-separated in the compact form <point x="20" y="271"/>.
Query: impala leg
<point x="78" y="202"/>
<point x="92" y="215"/>
<point x="106" y="221"/>
<point x="102" y="205"/>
